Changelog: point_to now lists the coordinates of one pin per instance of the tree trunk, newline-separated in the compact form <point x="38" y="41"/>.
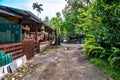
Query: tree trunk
<point x="57" y="37"/>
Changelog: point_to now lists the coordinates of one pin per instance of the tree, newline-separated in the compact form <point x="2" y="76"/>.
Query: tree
<point x="75" y="4"/>
<point x="37" y="7"/>
<point x="46" y="20"/>
<point x="58" y="15"/>
<point x="55" y="23"/>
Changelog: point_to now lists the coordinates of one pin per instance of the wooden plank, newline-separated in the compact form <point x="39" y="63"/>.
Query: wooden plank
<point x="15" y="52"/>
<point x="13" y="49"/>
<point x="17" y="56"/>
<point x="1" y="46"/>
<point x="10" y="45"/>
<point x="1" y="50"/>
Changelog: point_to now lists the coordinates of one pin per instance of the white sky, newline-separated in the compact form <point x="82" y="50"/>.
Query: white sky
<point x="50" y="6"/>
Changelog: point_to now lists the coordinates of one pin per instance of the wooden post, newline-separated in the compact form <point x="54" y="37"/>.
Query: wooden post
<point x="48" y="37"/>
<point x="36" y="35"/>
<point x="36" y="38"/>
<point x="44" y="37"/>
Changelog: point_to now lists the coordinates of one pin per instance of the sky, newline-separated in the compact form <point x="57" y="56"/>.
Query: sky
<point x="50" y="6"/>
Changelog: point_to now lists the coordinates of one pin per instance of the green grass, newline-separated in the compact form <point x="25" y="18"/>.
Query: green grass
<point x="105" y="67"/>
<point x="52" y="48"/>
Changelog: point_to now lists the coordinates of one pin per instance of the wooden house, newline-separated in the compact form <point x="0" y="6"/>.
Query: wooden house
<point x="14" y="23"/>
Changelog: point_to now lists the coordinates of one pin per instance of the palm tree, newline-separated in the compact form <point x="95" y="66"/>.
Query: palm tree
<point x="58" y="14"/>
<point x="37" y="7"/>
<point x="55" y="23"/>
<point x="46" y="20"/>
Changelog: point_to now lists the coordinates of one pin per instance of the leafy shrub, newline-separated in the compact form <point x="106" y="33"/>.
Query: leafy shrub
<point x="92" y="48"/>
<point x="95" y="51"/>
<point x="115" y="62"/>
<point x="87" y="48"/>
<point x="114" y="58"/>
<point x="89" y="44"/>
<point x="104" y="54"/>
<point x="118" y="44"/>
<point x="115" y="53"/>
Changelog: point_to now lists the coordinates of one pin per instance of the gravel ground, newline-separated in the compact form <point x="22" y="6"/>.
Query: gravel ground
<point x="65" y="63"/>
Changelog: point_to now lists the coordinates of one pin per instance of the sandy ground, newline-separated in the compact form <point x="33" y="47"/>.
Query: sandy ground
<point x="65" y="63"/>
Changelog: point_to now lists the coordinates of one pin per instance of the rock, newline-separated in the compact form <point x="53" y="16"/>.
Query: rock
<point x="65" y="48"/>
<point x="13" y="78"/>
<point x="20" y="75"/>
<point x="31" y="65"/>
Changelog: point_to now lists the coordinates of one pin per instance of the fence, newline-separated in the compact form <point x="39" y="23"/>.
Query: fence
<point x="14" y="48"/>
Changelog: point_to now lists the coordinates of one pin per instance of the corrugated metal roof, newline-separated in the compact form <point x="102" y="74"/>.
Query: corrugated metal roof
<point x="24" y="13"/>
<point x="18" y="11"/>
<point x="5" y="12"/>
<point x="34" y="17"/>
<point x="4" y="8"/>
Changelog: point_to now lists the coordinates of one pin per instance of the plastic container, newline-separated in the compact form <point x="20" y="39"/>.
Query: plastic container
<point x="9" y="58"/>
<point x="2" y="54"/>
<point x="2" y="61"/>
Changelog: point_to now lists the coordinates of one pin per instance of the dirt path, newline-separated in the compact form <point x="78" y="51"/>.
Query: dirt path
<point x="65" y="64"/>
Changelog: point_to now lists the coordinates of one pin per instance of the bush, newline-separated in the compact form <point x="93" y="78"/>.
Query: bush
<point x="92" y="48"/>
<point x="114" y="58"/>
<point x="115" y="53"/>
<point x="87" y="48"/>
<point x="115" y="62"/>
<point x="89" y="43"/>
<point x="95" y="51"/>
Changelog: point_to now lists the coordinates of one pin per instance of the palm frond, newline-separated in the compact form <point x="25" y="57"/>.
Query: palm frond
<point x="37" y="7"/>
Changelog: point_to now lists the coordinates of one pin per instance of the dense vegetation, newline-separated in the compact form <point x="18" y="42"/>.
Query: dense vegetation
<point x="103" y="35"/>
<point x="99" y="20"/>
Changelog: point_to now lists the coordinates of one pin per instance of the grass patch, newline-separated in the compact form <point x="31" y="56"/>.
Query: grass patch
<point x="105" y="67"/>
<point x="49" y="48"/>
<point x="52" y="47"/>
